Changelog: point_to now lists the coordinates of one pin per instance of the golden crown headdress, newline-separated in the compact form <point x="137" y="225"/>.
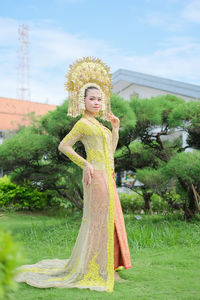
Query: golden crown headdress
<point x="83" y="73"/>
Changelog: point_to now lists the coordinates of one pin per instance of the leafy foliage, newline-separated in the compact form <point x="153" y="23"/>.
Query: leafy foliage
<point x="185" y="166"/>
<point x="153" y="148"/>
<point x="131" y="202"/>
<point x="159" y="204"/>
<point x="10" y="259"/>
<point x="20" y="197"/>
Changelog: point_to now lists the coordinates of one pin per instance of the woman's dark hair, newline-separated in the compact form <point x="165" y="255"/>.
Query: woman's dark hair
<point x="90" y="88"/>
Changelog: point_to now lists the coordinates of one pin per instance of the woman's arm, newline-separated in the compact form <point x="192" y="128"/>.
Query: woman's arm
<point x="115" y="138"/>
<point x="115" y="130"/>
<point x="69" y="140"/>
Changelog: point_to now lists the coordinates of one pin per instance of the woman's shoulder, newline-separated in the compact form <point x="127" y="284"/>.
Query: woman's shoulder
<point x="82" y="122"/>
<point x="83" y="126"/>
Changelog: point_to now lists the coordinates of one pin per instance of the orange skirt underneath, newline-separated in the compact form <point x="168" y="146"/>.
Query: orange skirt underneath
<point x="121" y="248"/>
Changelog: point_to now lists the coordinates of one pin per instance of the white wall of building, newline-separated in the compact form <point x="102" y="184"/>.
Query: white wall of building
<point x="126" y="91"/>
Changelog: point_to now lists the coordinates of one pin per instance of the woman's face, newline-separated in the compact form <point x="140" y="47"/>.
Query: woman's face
<point x="93" y="101"/>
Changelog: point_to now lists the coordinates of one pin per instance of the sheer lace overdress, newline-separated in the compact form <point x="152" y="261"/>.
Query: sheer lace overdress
<point x="91" y="264"/>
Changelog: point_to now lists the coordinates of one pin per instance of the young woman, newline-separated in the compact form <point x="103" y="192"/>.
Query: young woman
<point x="101" y="246"/>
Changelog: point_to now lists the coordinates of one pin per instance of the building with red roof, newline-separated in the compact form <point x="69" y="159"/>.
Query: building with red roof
<point x="14" y="112"/>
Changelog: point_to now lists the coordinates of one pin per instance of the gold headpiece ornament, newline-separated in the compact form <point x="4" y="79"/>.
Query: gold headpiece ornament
<point x="83" y="73"/>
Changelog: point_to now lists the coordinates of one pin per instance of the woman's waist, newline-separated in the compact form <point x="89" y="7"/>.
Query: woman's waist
<point x="98" y="156"/>
<point x="102" y="166"/>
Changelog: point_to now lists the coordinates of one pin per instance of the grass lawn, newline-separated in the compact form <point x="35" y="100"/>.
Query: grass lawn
<point x="165" y="252"/>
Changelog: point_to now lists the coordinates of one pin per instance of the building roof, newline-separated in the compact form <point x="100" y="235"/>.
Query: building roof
<point x="168" y="85"/>
<point x="13" y="111"/>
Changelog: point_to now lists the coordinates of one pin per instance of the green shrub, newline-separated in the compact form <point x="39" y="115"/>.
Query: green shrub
<point x="61" y="203"/>
<point x="135" y="203"/>
<point x="158" y="204"/>
<point x="10" y="259"/>
<point x="131" y="202"/>
<point x="20" y="197"/>
<point x="175" y="200"/>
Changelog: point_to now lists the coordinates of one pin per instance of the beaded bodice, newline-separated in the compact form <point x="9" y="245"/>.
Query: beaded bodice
<point x="93" y="135"/>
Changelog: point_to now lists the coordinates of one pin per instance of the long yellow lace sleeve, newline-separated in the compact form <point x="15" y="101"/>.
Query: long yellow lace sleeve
<point x="69" y="140"/>
<point x="115" y="138"/>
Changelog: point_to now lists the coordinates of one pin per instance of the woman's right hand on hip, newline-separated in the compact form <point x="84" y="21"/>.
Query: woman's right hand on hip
<point x="88" y="173"/>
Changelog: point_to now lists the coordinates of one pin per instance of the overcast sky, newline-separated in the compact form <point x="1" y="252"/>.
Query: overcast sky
<point x="149" y="36"/>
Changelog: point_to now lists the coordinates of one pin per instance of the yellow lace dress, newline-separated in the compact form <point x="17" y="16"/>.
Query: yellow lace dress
<point x="91" y="264"/>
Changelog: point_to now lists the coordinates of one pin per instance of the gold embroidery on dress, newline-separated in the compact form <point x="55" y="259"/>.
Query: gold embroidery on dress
<point x="95" y="155"/>
<point x="79" y="127"/>
<point x="110" y="242"/>
<point x="92" y="278"/>
<point x="75" y="159"/>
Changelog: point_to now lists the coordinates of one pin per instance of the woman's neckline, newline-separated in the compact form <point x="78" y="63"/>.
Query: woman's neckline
<point x="95" y="121"/>
<point x="92" y="119"/>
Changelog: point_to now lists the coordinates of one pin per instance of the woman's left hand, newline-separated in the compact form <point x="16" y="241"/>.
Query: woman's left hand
<point x="113" y="120"/>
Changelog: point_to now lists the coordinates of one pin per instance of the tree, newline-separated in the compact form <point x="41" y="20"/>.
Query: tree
<point x="32" y="157"/>
<point x="145" y="146"/>
<point x="148" y="152"/>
